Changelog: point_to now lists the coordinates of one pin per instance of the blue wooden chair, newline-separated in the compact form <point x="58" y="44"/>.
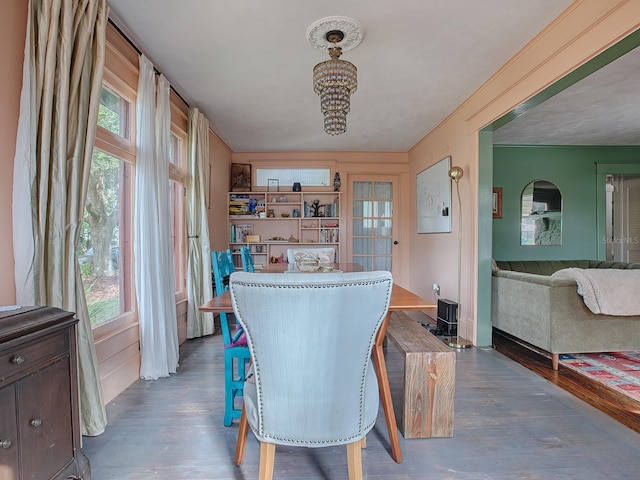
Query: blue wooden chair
<point x="236" y="352"/>
<point x="247" y="261"/>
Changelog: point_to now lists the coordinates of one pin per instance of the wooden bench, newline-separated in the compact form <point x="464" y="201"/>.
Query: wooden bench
<point x="429" y="379"/>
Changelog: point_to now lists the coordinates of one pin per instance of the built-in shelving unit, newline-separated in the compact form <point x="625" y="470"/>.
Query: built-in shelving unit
<point x="271" y="222"/>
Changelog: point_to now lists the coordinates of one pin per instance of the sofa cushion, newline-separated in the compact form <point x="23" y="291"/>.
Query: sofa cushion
<point x="549" y="267"/>
<point x="542" y="267"/>
<point x="611" y="264"/>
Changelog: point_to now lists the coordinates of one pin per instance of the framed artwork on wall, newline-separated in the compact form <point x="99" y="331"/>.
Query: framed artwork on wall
<point x="434" y="198"/>
<point x="496" y="202"/>
<point x="240" y="177"/>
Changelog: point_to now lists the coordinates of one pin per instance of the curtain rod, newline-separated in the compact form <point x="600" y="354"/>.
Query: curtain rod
<point x="135" y="47"/>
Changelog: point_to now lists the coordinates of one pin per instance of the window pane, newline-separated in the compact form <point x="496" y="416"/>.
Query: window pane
<point x="177" y="232"/>
<point x="312" y="177"/>
<point x="175" y="149"/>
<point x="99" y="251"/>
<point x="114" y="113"/>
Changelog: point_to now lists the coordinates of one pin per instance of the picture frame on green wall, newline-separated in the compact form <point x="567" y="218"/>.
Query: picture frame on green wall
<point x="496" y="202"/>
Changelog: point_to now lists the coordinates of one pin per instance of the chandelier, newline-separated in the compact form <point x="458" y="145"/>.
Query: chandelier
<point x="335" y="80"/>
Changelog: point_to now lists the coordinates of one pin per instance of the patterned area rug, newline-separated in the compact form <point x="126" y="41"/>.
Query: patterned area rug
<point x="618" y="370"/>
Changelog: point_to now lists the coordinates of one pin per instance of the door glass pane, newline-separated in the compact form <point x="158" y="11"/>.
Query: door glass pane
<point x="362" y="245"/>
<point x="383" y="209"/>
<point x="358" y="208"/>
<point x="361" y="189"/>
<point x="382" y="246"/>
<point x="382" y="263"/>
<point x="364" y="261"/>
<point x="383" y="190"/>
<point x="382" y="227"/>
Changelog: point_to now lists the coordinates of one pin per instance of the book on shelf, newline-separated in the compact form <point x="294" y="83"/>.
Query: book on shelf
<point x="329" y="235"/>
<point x="238" y="232"/>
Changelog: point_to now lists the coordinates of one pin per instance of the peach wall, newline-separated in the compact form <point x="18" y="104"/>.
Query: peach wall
<point x="220" y="168"/>
<point x="583" y="31"/>
<point x="13" y="27"/>
<point x="356" y="163"/>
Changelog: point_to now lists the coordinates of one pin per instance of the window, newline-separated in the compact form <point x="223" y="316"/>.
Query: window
<point x="177" y="186"/>
<point x="175" y="150"/>
<point x="178" y="235"/>
<point x="104" y="249"/>
<point x="115" y="113"/>
<point x="310" y="177"/>
<point x="103" y="238"/>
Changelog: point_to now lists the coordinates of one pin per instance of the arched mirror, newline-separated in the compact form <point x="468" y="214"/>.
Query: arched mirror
<point x="541" y="221"/>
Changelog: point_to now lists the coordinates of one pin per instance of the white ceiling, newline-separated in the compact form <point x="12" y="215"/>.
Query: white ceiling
<point x="601" y="109"/>
<point x="247" y="64"/>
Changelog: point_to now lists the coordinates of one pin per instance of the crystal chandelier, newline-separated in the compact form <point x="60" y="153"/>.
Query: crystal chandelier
<point x="335" y="80"/>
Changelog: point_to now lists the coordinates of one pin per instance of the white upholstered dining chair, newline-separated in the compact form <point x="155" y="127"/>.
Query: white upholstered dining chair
<point x="311" y="382"/>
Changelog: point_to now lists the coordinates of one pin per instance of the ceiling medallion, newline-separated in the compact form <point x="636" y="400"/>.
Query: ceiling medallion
<point x="335" y="80"/>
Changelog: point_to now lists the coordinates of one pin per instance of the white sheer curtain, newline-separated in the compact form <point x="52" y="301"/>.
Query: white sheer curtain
<point x="155" y="275"/>
<point x="199" y="284"/>
<point x="62" y="79"/>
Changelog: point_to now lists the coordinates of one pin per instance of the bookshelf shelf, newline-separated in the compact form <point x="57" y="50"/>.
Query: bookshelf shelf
<point x="256" y="219"/>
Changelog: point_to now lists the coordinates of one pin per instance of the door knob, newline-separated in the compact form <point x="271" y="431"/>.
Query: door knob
<point x="395" y="242"/>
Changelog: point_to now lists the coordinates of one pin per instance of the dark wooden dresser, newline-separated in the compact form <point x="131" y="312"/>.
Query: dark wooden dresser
<point x="39" y="411"/>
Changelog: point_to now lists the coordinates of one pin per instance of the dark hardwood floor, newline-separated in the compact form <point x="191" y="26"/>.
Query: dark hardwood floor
<point x="613" y="403"/>
<point x="510" y="423"/>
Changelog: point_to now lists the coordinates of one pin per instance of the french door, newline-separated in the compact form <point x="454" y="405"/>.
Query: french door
<point x="372" y="199"/>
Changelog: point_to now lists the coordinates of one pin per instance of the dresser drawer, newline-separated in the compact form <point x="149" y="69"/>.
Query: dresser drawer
<point x="24" y="357"/>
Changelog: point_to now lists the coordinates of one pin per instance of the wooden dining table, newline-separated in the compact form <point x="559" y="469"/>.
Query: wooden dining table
<point x="401" y="300"/>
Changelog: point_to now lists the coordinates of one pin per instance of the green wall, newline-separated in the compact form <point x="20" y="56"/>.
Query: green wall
<point x="579" y="173"/>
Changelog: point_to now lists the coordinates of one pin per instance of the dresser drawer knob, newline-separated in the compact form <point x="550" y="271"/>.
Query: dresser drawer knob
<point x="36" y="422"/>
<point x="5" y="443"/>
<point x="19" y="360"/>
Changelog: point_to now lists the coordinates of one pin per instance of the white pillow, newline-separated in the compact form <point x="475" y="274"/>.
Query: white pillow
<point x="322" y="256"/>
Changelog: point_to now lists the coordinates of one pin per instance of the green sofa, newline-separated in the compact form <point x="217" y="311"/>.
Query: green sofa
<point x="547" y="312"/>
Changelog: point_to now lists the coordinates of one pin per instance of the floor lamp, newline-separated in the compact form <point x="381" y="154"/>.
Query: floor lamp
<point x="455" y="174"/>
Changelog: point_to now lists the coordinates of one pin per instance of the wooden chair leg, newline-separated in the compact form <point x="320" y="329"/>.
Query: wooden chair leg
<point x="241" y="442"/>
<point x="267" y="459"/>
<point x="387" y="404"/>
<point x="354" y="460"/>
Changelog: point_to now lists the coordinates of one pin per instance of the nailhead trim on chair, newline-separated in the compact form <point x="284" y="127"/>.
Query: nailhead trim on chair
<point x="362" y="380"/>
